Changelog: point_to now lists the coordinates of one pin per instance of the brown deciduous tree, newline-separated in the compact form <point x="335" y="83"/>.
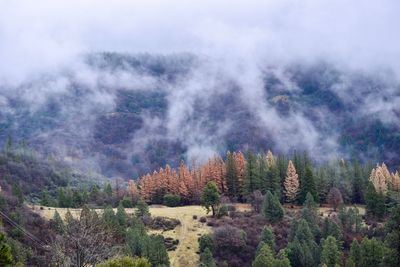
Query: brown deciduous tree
<point x="291" y="183"/>
<point x="334" y="198"/>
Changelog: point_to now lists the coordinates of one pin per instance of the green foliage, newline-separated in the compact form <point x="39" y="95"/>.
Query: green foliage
<point x="309" y="213"/>
<point x="375" y="202"/>
<point x="232" y="181"/>
<point x="5" y="252"/>
<point x="355" y="254"/>
<point x="372" y="252"/>
<point x="142" y="209"/>
<point x="109" y="217"/>
<point x="126" y="202"/>
<point x="17" y="192"/>
<point x="108" y="190"/>
<point x="272" y="208"/>
<point x="58" y="223"/>
<point x="307" y="185"/>
<point x="210" y="197"/>
<point x="171" y="200"/>
<point x="330" y="252"/>
<point x="206" y="259"/>
<point x="251" y="181"/>
<point x="303" y="251"/>
<point x="264" y="257"/>
<point x="205" y="241"/>
<point x="273" y="180"/>
<point x="268" y="237"/>
<point x="125" y="262"/>
<point x="392" y="237"/>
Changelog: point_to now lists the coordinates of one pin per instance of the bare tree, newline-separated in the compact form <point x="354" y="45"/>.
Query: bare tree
<point x="335" y="198"/>
<point x="256" y="200"/>
<point x="85" y="241"/>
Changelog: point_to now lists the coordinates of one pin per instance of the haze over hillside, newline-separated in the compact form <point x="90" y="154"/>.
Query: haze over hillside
<point x="126" y="90"/>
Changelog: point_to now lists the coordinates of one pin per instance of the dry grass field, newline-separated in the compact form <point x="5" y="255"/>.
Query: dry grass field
<point x="187" y="233"/>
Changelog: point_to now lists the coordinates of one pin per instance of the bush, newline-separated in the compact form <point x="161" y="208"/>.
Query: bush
<point x="222" y="211"/>
<point x="171" y="200"/>
<point x="205" y="241"/>
<point x="203" y="219"/>
<point x="127" y="203"/>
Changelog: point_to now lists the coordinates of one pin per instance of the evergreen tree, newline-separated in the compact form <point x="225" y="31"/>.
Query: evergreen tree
<point x="303" y="251"/>
<point x="17" y="192"/>
<point x="45" y="198"/>
<point x="375" y="202"/>
<point x="264" y="257"/>
<point x="206" y="259"/>
<point x="372" y="252"/>
<point x="309" y="213"/>
<point x="357" y="184"/>
<point x="268" y="237"/>
<point x="121" y="216"/>
<point x="142" y="209"/>
<point x="109" y="217"/>
<point x="392" y="237"/>
<point x="330" y="252"/>
<point x="6" y="258"/>
<point x="58" y="223"/>
<point x="158" y="255"/>
<point x="355" y="254"/>
<point x="307" y="185"/>
<point x="125" y="262"/>
<point x="272" y="208"/>
<point x="210" y="198"/>
<point x="231" y="176"/>
<point x="273" y="181"/>
<point x="251" y="178"/>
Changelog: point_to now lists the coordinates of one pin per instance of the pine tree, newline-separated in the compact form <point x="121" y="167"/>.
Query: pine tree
<point x="303" y="251"/>
<point x="142" y="209"/>
<point x="392" y="237"/>
<point x="231" y="176"/>
<point x="330" y="252"/>
<point x="355" y="253"/>
<point x="357" y="185"/>
<point x="264" y="257"/>
<point x="272" y="208"/>
<point x="58" y="223"/>
<point x="372" y="252"/>
<point x="109" y="217"/>
<point x="268" y="237"/>
<point x="273" y="181"/>
<point x="291" y="183"/>
<point x="308" y="185"/>
<point x="210" y="197"/>
<point x="206" y="259"/>
<point x="6" y="258"/>
<point x="375" y="202"/>
<point x="251" y="178"/>
<point x="121" y="216"/>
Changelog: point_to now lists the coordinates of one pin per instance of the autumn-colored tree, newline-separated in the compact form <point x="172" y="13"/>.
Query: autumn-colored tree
<point x="270" y="158"/>
<point x="133" y="191"/>
<point x="291" y="183"/>
<point x="231" y="175"/>
<point x="379" y="180"/>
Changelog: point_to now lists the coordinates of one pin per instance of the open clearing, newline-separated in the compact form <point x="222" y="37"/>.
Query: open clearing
<point x="187" y="233"/>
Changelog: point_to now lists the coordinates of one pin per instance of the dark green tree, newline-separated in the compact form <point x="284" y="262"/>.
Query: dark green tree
<point x="121" y="216"/>
<point x="355" y="254"/>
<point x="251" y="181"/>
<point x="142" y="209"/>
<point x="264" y="257"/>
<point x="6" y="258"/>
<point x="205" y="241"/>
<point x="272" y="208"/>
<point x="268" y="237"/>
<point x="330" y="252"/>
<point x="206" y="259"/>
<point x="372" y="252"/>
<point x="375" y="202"/>
<point x="307" y="185"/>
<point x="210" y="198"/>
<point x="232" y="180"/>
<point x="392" y="237"/>
<point x="58" y="223"/>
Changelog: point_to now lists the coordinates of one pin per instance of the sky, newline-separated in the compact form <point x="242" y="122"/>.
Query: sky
<point x="37" y="36"/>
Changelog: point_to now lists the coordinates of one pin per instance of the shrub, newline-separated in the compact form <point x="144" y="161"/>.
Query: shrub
<point x="127" y="203"/>
<point x="203" y="219"/>
<point x="222" y="211"/>
<point x="171" y="200"/>
<point x="205" y="241"/>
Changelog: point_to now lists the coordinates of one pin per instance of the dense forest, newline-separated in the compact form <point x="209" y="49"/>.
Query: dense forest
<point x="303" y="213"/>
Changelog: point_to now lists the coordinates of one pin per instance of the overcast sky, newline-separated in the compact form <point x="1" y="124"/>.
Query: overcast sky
<point x="42" y="35"/>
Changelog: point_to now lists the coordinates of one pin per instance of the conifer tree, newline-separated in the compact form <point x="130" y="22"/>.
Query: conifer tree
<point x="210" y="197"/>
<point x="58" y="223"/>
<point x="264" y="257"/>
<point x="355" y="254"/>
<point x="330" y="252"/>
<point x="372" y="252"/>
<point x="231" y="175"/>
<point x="121" y="215"/>
<point x="251" y="179"/>
<point x="268" y="237"/>
<point x="307" y="185"/>
<point x="6" y="258"/>
<point x="272" y="208"/>
<point x="392" y="237"/>
<point x="273" y="181"/>
<point x="291" y="183"/>
<point x="206" y="259"/>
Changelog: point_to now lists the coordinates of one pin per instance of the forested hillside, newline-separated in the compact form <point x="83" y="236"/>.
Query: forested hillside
<point x="124" y="115"/>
